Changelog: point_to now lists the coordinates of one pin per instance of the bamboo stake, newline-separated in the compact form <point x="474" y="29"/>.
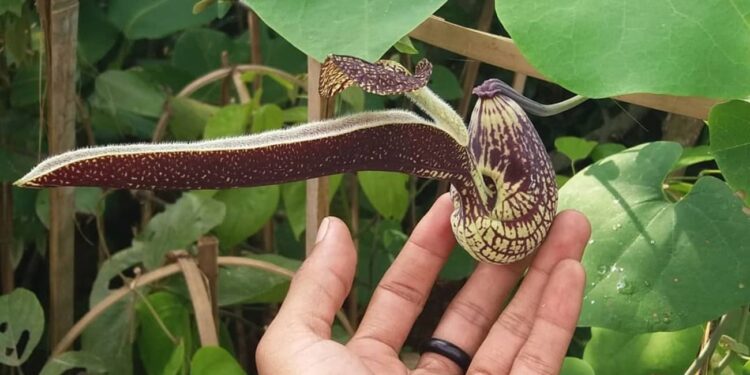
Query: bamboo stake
<point x="204" y="316"/>
<point x="471" y="68"/>
<point x="208" y="253"/>
<point x="317" y="188"/>
<point x="60" y="22"/>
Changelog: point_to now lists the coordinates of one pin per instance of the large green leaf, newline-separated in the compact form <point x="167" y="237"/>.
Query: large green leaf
<point x="576" y="366"/>
<point x="155" y="18"/>
<point x="11" y="6"/>
<point x="162" y="311"/>
<point x="96" y="35"/>
<point x="239" y="285"/>
<point x="228" y="121"/>
<point x="605" y="48"/>
<point x="181" y="224"/>
<point x="664" y="353"/>
<point x="211" y="360"/>
<point x="118" y="90"/>
<point x="198" y="51"/>
<point x="189" y="118"/>
<point x="22" y="322"/>
<point x="361" y="28"/>
<point x="295" y="197"/>
<point x="109" y="336"/>
<point x="386" y="191"/>
<point x="651" y="264"/>
<point x="248" y="209"/>
<point x="730" y="142"/>
<point x="74" y="360"/>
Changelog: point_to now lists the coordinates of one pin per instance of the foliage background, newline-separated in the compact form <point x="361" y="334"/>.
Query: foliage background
<point x="652" y="288"/>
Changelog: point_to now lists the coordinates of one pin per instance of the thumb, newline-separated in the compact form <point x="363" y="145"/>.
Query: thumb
<point x="321" y="285"/>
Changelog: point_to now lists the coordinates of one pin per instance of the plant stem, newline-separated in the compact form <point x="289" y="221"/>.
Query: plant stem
<point x="705" y="355"/>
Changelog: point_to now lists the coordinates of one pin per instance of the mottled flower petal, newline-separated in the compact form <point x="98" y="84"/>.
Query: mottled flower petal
<point x="384" y="77"/>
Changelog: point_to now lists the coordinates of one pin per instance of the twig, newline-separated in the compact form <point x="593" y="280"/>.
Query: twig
<point x="708" y="349"/>
<point x="204" y="316"/>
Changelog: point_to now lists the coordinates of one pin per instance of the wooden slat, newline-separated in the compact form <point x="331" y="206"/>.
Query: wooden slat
<point x="502" y="52"/>
<point x="317" y="188"/>
<point x="61" y="35"/>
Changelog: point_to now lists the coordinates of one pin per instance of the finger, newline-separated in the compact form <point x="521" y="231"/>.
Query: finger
<point x="544" y="351"/>
<point x="321" y="285"/>
<point x="401" y="294"/>
<point x="566" y="240"/>
<point x="472" y="312"/>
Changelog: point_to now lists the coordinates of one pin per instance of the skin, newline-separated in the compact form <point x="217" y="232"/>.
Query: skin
<point x="530" y="336"/>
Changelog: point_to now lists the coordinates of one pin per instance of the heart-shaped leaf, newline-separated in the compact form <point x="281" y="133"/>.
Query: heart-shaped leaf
<point x="730" y="142"/>
<point x="155" y="18"/>
<point x="651" y="264"/>
<point x="58" y="365"/>
<point x="602" y="48"/>
<point x="247" y="210"/>
<point x="21" y="326"/>
<point x="211" y="360"/>
<point x="360" y="28"/>
<point x="165" y="311"/>
<point x="386" y="191"/>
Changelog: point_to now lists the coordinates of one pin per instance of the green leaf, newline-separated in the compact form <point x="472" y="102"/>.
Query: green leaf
<point x="198" y="51"/>
<point x="13" y="166"/>
<point x="576" y="366"/>
<point x="179" y="225"/>
<point x="242" y="285"/>
<point x="375" y="254"/>
<point x="210" y="360"/>
<point x="560" y="180"/>
<point x="155" y="18"/>
<point x="693" y="155"/>
<point x="201" y="5"/>
<point x="575" y="148"/>
<point x="109" y="337"/>
<point x="365" y="29"/>
<point x="118" y="90"/>
<point x="158" y="353"/>
<point x="22" y="319"/>
<point x="96" y="34"/>
<point x="24" y="90"/>
<point x="602" y="150"/>
<point x="404" y="45"/>
<point x="11" y="6"/>
<point x="58" y="365"/>
<point x="386" y="191"/>
<point x="445" y="84"/>
<point x="267" y="117"/>
<point x="651" y="264"/>
<point x="458" y="266"/>
<point x="86" y="202"/>
<point x="730" y="142"/>
<point x="248" y="209"/>
<point x="189" y="118"/>
<point x="606" y="48"/>
<point x="111" y="269"/>
<point x="295" y="198"/>
<point x="228" y="121"/>
<point x="295" y="115"/>
<point x="665" y="353"/>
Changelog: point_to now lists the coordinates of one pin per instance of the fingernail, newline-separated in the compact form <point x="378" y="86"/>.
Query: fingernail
<point x="322" y="230"/>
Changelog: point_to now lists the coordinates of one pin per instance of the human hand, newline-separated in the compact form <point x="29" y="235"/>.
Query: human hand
<point x="530" y="336"/>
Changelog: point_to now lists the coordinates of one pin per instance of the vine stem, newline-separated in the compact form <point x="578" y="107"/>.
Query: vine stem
<point x="708" y="349"/>
<point x="159" y="274"/>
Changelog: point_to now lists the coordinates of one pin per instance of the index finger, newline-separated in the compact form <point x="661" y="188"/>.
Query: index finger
<point x="401" y="294"/>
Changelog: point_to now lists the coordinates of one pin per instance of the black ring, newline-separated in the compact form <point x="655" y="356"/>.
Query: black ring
<point x="447" y="350"/>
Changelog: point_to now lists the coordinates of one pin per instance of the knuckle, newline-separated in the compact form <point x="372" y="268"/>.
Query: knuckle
<point x="515" y="323"/>
<point x="535" y="364"/>
<point x="472" y="313"/>
<point x="404" y="291"/>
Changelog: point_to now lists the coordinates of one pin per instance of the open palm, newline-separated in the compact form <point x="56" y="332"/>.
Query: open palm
<point x="530" y="335"/>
